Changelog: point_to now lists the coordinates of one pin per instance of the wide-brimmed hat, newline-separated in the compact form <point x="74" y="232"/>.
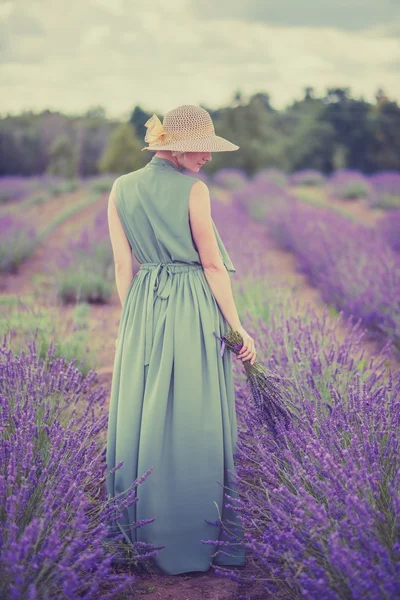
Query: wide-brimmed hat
<point x="186" y="128"/>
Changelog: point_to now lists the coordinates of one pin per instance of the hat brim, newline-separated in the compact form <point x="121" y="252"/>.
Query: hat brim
<point x="212" y="143"/>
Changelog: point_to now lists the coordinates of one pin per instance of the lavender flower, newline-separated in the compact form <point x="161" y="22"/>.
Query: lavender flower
<point x="275" y="176"/>
<point x="320" y="508"/>
<point x="352" y="265"/>
<point x="230" y="178"/>
<point x="86" y="265"/>
<point x="349" y="185"/>
<point x="56" y="539"/>
<point x="17" y="242"/>
<point x="15" y="188"/>
<point x="387" y="190"/>
<point x="389" y="229"/>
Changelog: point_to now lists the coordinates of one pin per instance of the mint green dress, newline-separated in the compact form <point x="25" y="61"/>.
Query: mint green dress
<point x="172" y="404"/>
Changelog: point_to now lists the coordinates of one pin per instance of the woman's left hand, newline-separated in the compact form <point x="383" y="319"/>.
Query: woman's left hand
<point x="116" y="342"/>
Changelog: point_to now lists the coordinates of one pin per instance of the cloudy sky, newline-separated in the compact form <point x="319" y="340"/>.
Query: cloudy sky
<point x="71" y="56"/>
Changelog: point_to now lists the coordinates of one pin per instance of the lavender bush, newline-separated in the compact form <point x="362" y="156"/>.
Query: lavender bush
<point x="56" y="519"/>
<point x="275" y="176"/>
<point x="320" y="514"/>
<point x="389" y="228"/>
<point x="352" y="265"/>
<point x="387" y="190"/>
<point x="16" y="188"/>
<point x="349" y="185"/>
<point x="257" y="196"/>
<point x="22" y="318"/>
<point x="17" y="242"/>
<point x="86" y="272"/>
<point x="308" y="177"/>
<point x="230" y="178"/>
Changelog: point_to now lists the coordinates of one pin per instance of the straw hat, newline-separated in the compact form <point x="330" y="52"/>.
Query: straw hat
<point x="187" y="128"/>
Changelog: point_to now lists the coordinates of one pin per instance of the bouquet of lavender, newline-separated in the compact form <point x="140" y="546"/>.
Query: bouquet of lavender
<point x="270" y="395"/>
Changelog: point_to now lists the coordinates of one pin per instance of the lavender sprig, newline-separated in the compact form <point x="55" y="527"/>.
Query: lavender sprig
<point x="270" y="396"/>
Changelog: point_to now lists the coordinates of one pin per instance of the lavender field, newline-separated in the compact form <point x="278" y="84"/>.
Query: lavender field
<point x="319" y="290"/>
<point x="356" y="268"/>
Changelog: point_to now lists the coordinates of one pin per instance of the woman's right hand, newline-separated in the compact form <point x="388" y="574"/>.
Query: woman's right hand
<point x="248" y="351"/>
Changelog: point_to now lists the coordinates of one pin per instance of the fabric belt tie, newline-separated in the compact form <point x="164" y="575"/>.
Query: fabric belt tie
<point x="160" y="286"/>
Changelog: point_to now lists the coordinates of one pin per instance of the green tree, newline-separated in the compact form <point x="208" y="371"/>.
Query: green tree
<point x="96" y="112"/>
<point x="306" y="139"/>
<point x="385" y="138"/>
<point x="351" y="122"/>
<point x="308" y="93"/>
<point x="123" y="152"/>
<point x="237" y="98"/>
<point x="251" y="127"/>
<point x="137" y="119"/>
<point x="62" y="158"/>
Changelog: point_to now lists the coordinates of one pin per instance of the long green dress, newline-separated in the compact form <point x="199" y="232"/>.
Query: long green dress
<point x="172" y="404"/>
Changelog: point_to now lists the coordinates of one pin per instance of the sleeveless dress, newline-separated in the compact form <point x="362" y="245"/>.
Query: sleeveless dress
<point x="172" y="403"/>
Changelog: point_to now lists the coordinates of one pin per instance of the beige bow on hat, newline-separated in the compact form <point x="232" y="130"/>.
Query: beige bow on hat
<point x="156" y="133"/>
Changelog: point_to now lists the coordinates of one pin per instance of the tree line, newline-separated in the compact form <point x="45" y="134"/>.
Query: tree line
<point x="325" y="133"/>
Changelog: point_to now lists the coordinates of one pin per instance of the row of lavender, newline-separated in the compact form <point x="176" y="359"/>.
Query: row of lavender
<point x="379" y="190"/>
<point x="17" y="190"/>
<point x="85" y="266"/>
<point x="55" y="518"/>
<point x="20" y="234"/>
<point x="355" y="267"/>
<point x="320" y="507"/>
<point x="320" y="510"/>
<point x="18" y="238"/>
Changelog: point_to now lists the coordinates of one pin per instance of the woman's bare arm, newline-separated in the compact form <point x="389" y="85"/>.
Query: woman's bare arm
<point x="122" y="251"/>
<point x="207" y="247"/>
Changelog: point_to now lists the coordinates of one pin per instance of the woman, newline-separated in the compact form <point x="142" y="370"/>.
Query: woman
<point x="172" y="404"/>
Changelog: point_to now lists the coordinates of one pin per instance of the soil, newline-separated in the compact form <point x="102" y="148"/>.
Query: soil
<point x="193" y="586"/>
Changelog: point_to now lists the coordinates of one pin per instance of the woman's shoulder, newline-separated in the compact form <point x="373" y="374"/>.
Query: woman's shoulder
<point x="127" y="178"/>
<point x="184" y="180"/>
<point x="191" y="179"/>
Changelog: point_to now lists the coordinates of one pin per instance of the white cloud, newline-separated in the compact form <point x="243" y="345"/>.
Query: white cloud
<point x="116" y="7"/>
<point x="6" y="9"/>
<point x="94" y="36"/>
<point x="159" y="56"/>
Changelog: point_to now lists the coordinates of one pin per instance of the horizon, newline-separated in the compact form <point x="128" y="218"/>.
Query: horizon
<point x="126" y="115"/>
